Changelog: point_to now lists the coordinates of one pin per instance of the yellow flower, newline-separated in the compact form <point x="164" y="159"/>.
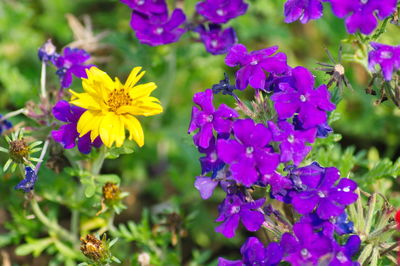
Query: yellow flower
<point x="112" y="106"/>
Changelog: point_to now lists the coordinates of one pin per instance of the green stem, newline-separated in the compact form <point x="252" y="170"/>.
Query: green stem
<point x="98" y="163"/>
<point x="43" y="80"/>
<point x="51" y="224"/>
<point x="13" y="113"/>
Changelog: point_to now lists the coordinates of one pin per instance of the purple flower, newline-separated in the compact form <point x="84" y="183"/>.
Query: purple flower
<point x="205" y="185"/>
<point x="234" y="209"/>
<point x="47" y="52"/>
<point x="208" y="118"/>
<point x="342" y="224"/>
<point x="158" y="29"/>
<point x="323" y="130"/>
<point x="28" y="183"/>
<point x="292" y="142"/>
<point x="343" y="254"/>
<point x="210" y="162"/>
<point x="4" y="125"/>
<point x="248" y="154"/>
<point x="306" y="247"/>
<point x="279" y="184"/>
<point x="67" y="133"/>
<point x="319" y="225"/>
<point x="147" y="6"/>
<point x="71" y="63"/>
<point x="301" y="97"/>
<point x="255" y="253"/>
<point x="388" y="57"/>
<point x="254" y="64"/>
<point x="216" y="40"/>
<point x="303" y="10"/>
<point x="360" y="14"/>
<point x="221" y="11"/>
<point x="320" y="192"/>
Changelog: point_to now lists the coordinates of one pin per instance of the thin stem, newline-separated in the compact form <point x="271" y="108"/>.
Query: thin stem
<point x="44" y="151"/>
<point x="13" y="113"/>
<point x="98" y="163"/>
<point x="50" y="224"/>
<point x="43" y="80"/>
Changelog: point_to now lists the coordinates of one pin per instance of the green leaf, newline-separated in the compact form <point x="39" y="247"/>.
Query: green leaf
<point x="65" y="250"/>
<point x="34" y="246"/>
<point x="108" y="178"/>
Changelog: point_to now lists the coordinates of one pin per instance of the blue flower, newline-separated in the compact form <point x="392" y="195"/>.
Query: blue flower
<point x="29" y="181"/>
<point x="4" y="125"/>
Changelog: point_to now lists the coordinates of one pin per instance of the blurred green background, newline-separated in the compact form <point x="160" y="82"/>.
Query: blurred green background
<point x="163" y="171"/>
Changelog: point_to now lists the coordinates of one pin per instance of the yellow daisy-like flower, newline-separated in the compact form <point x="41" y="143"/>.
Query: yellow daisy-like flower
<point x="112" y="106"/>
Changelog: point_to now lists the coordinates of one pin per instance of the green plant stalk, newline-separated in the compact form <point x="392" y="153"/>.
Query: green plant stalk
<point x="370" y="214"/>
<point x="98" y="163"/>
<point x="43" y="81"/>
<point x="365" y="254"/>
<point x="50" y="224"/>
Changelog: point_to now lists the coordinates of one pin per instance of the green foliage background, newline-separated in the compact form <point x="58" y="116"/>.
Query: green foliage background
<point x="163" y="171"/>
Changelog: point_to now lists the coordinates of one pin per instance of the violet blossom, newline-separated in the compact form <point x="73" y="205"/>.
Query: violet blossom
<point x="362" y="14"/>
<point x="248" y="154"/>
<point x="233" y="209"/>
<point x="221" y="11"/>
<point x="303" y="10"/>
<point x="208" y="118"/>
<point x="147" y="6"/>
<point x="388" y="57"/>
<point x="292" y="142"/>
<point x="215" y="39"/>
<point x="71" y="62"/>
<point x="158" y="29"/>
<point x="318" y="191"/>
<point x="305" y="247"/>
<point x="28" y="183"/>
<point x="301" y="97"/>
<point x="255" y="253"/>
<point x="67" y="134"/>
<point x="253" y="64"/>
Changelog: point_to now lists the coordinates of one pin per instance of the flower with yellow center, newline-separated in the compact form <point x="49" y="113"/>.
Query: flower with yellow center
<point x="112" y="106"/>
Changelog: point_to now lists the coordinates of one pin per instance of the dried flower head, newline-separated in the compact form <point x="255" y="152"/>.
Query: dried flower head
<point x="336" y="70"/>
<point x="93" y="248"/>
<point x="19" y="151"/>
<point x="111" y="192"/>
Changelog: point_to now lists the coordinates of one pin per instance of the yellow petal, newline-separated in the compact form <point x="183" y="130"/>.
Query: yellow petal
<point x="135" y="129"/>
<point x="84" y="100"/>
<point x="89" y="121"/>
<point x="107" y="128"/>
<point x="142" y="90"/>
<point x="134" y="77"/>
<point x="119" y="131"/>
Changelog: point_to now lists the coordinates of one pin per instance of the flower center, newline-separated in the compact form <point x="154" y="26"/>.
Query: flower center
<point x="346" y="189"/>
<point x="235" y="209"/>
<point x="249" y="150"/>
<point x="341" y="257"/>
<point x="210" y="118"/>
<point x="213" y="157"/>
<point x="386" y="55"/>
<point x="19" y="151"/>
<point x="254" y="62"/>
<point x="364" y="1"/>
<point x="220" y="12"/>
<point x="304" y="252"/>
<point x="339" y="69"/>
<point x="290" y="138"/>
<point x="214" y="43"/>
<point x="159" y="30"/>
<point x="303" y="98"/>
<point x="140" y="2"/>
<point x="118" y="98"/>
<point x="321" y="194"/>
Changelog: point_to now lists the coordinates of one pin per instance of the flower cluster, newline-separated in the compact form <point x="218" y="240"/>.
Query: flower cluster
<point x="359" y="15"/>
<point x="153" y="25"/>
<point x="388" y="57"/>
<point x="243" y="153"/>
<point x="71" y="62"/>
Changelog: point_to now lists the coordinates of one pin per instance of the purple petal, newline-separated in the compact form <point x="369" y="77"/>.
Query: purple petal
<point x="228" y="227"/>
<point x="252" y="220"/>
<point x="205" y="185"/>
